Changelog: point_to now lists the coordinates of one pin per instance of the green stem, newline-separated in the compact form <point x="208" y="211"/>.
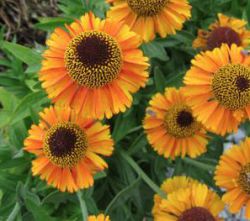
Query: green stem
<point x="199" y="164"/>
<point x="14" y="212"/>
<point x="131" y="149"/>
<point x="83" y="206"/>
<point x="135" y="129"/>
<point x="142" y="174"/>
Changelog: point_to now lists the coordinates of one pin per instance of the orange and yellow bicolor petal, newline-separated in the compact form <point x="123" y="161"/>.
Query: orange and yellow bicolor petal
<point x="198" y="89"/>
<point x="165" y="22"/>
<point x="227" y="176"/>
<point x="190" y="194"/>
<point x="81" y="175"/>
<point x="162" y="141"/>
<point x="102" y="101"/>
<point x="100" y="217"/>
<point x="241" y="34"/>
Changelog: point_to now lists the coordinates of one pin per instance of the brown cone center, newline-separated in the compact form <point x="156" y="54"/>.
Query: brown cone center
<point x="196" y="214"/>
<point x="222" y="35"/>
<point x="185" y="119"/>
<point x="242" y="83"/>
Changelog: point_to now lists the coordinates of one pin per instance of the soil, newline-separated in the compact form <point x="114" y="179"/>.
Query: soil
<point x="18" y="16"/>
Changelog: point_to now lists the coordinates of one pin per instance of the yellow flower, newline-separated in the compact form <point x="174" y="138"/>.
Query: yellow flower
<point x="151" y="17"/>
<point x="67" y="148"/>
<point x="100" y="217"/>
<point x="233" y="174"/>
<point x="94" y="66"/>
<point x="218" y="88"/>
<point x="226" y="30"/>
<point x="171" y="128"/>
<point x="187" y="200"/>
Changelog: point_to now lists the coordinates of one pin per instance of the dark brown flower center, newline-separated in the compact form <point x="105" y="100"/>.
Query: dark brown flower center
<point x="65" y="144"/>
<point x="185" y="119"/>
<point x="93" y="59"/>
<point x="179" y="121"/>
<point x="147" y="8"/>
<point x="196" y="214"/>
<point x="222" y="35"/>
<point x="62" y="141"/>
<point x="93" y="51"/>
<point x="242" y="83"/>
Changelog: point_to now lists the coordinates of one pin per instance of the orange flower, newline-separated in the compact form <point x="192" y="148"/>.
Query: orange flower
<point x="171" y="128"/>
<point x="67" y="148"/>
<point x="148" y="17"/>
<point x="186" y="200"/>
<point x="226" y="30"/>
<point x="94" y="67"/>
<point x="100" y="217"/>
<point x="233" y="174"/>
<point x="218" y="88"/>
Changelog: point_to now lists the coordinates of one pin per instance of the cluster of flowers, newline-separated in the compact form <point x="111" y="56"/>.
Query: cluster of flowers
<point x="90" y="72"/>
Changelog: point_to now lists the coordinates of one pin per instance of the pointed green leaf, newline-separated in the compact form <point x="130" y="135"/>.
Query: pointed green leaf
<point x="27" y="55"/>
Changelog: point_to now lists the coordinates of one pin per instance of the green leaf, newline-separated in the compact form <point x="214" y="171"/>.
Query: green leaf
<point x="48" y="24"/>
<point x="142" y="174"/>
<point x="8" y="181"/>
<point x="119" y="131"/>
<point x="184" y="37"/>
<point x="247" y="10"/>
<point x="27" y="55"/>
<point x="155" y="50"/>
<point x="17" y="134"/>
<point x="120" y="196"/>
<point x="137" y="144"/>
<point x="175" y="79"/>
<point x="38" y="212"/>
<point x="160" y="81"/>
<point x="23" y="108"/>
<point x="235" y="10"/>
<point x="100" y="175"/>
<point x="71" y="8"/>
<point x="16" y="162"/>
<point x="178" y="169"/>
<point x="8" y="102"/>
<point x="55" y="197"/>
<point x="33" y="68"/>
<point x="34" y="115"/>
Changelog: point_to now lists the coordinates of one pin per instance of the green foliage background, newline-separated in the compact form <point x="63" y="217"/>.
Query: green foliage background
<point x="121" y="191"/>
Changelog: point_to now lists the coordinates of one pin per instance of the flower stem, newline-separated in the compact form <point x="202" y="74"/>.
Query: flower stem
<point x="83" y="206"/>
<point x="14" y="212"/>
<point x="142" y="174"/>
<point x="199" y="164"/>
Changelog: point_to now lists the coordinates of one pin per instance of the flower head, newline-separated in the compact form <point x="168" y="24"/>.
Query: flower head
<point x="187" y="200"/>
<point x="218" y="88"/>
<point x="149" y="17"/>
<point x="233" y="174"/>
<point x="94" y="66"/>
<point x="226" y="30"/>
<point x="68" y="148"/>
<point x="171" y="128"/>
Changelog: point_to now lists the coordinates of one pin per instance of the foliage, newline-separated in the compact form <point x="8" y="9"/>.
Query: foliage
<point x="121" y="191"/>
